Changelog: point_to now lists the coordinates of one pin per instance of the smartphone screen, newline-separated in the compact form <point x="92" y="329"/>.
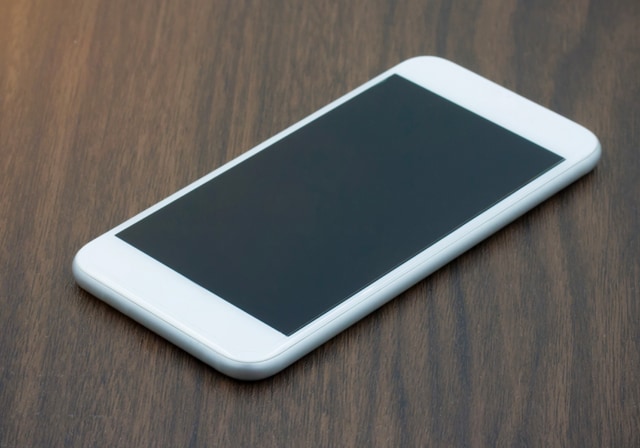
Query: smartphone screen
<point x="297" y="228"/>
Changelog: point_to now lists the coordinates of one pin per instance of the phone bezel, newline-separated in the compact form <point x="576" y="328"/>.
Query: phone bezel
<point x="243" y="346"/>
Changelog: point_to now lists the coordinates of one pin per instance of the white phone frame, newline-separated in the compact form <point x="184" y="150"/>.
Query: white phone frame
<point x="242" y="346"/>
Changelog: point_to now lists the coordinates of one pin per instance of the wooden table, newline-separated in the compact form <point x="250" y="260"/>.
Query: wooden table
<point x="107" y="106"/>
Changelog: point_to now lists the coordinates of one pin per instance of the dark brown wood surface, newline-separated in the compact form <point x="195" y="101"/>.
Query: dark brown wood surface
<point x="106" y="106"/>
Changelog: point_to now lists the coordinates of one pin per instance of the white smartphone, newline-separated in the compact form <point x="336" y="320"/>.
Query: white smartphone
<point x="269" y="256"/>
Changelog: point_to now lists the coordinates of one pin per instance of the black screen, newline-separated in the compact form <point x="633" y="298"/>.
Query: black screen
<point x="298" y="228"/>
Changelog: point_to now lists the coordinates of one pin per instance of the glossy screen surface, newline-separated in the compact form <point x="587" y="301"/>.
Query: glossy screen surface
<point x="301" y="226"/>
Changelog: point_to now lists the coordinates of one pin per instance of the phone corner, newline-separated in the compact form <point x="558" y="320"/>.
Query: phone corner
<point x="250" y="373"/>
<point x="240" y="369"/>
<point x="596" y="154"/>
<point x="77" y="265"/>
<point x="421" y="60"/>
<point x="81" y="266"/>
<point x="595" y="150"/>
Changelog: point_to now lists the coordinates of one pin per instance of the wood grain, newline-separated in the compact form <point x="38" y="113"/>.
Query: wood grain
<point x="530" y="339"/>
